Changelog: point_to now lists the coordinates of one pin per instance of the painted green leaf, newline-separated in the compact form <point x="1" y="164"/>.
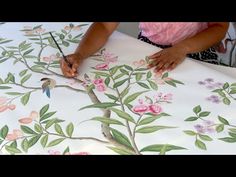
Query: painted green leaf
<point x="41" y="63"/>
<point x="22" y="44"/>
<point x="121" y="151"/>
<point x="79" y="35"/>
<point x="226" y="101"/>
<point x="111" y="96"/>
<point x="205" y="137"/>
<point x="228" y="139"/>
<point x="221" y="93"/>
<point x="27" y="130"/>
<point x="107" y="81"/>
<point x="153" y="85"/>
<point x="191" y="119"/>
<point x="124" y="71"/>
<point x="220" y="128"/>
<point x="44" y="140"/>
<point x="38" y="128"/>
<point x="197" y="109"/>
<point x="114" y="69"/>
<point x="233" y="91"/>
<point x="22" y="73"/>
<point x="50" y="123"/>
<point x="121" y="138"/>
<point x="25" y="145"/>
<point x="70" y="129"/>
<point x="151" y="129"/>
<point x="151" y="119"/>
<point x="58" y="129"/>
<point x="143" y="85"/>
<point x="27" y="52"/>
<point x="149" y="74"/>
<point x="123" y="114"/>
<point x="119" y="76"/>
<point x="128" y="67"/>
<point x="4" y="131"/>
<point x="32" y="141"/>
<point x="47" y="115"/>
<point x="24" y="100"/>
<point x="233" y="85"/>
<point x="159" y="147"/>
<point x="14" y="93"/>
<point x="62" y="36"/>
<point x="14" y="144"/>
<point x="66" y="44"/>
<point x="171" y="83"/>
<point x="200" y="144"/>
<point x="119" y="83"/>
<point x="133" y="97"/>
<point x="43" y="110"/>
<point x="67" y="150"/>
<point x="107" y="120"/>
<point x="204" y="114"/>
<point x="1" y="81"/>
<point x="165" y="75"/>
<point x="104" y="105"/>
<point x="5" y="87"/>
<point x="190" y="132"/>
<point x="142" y="69"/>
<point x="3" y="60"/>
<point x="232" y="130"/>
<point x="223" y="120"/>
<point x="55" y="142"/>
<point x="177" y="82"/>
<point x="226" y="85"/>
<point x="138" y="76"/>
<point x="101" y="74"/>
<point x="36" y="27"/>
<point x="232" y="134"/>
<point x="25" y="78"/>
<point x="12" y="150"/>
<point x="124" y="92"/>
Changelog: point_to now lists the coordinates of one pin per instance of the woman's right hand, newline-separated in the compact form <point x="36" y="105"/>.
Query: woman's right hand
<point x="75" y="61"/>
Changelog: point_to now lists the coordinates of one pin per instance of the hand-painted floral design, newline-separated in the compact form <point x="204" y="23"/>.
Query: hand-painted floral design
<point x="225" y="91"/>
<point x="5" y="104"/>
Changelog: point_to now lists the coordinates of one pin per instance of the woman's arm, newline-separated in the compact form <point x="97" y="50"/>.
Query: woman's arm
<point x="168" y="59"/>
<point x="94" y="39"/>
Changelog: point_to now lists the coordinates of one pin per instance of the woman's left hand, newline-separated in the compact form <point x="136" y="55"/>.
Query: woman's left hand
<point x="167" y="59"/>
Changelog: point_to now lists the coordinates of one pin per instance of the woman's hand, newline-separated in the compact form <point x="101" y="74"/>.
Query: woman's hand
<point x="75" y="61"/>
<point x="167" y="59"/>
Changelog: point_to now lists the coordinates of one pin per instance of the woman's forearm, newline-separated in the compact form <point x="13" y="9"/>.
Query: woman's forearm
<point x="95" y="38"/>
<point x="205" y="39"/>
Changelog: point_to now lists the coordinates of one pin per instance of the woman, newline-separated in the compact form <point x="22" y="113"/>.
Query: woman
<point x="178" y="40"/>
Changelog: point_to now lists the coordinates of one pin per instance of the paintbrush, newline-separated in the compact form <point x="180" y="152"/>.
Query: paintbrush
<point x="64" y="57"/>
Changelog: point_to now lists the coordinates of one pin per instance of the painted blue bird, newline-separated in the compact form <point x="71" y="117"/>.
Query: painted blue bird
<point x="47" y="85"/>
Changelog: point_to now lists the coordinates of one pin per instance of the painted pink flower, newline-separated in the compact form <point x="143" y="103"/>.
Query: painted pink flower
<point x="3" y="100"/>
<point x="140" y="109"/>
<point x="39" y="30"/>
<point x="25" y="120"/>
<point x="77" y="28"/>
<point x="67" y="28"/>
<point x="34" y="115"/>
<point x="109" y="57"/>
<point x="51" y="58"/>
<point x="101" y="87"/>
<point x="155" y="109"/>
<point x="168" y="97"/>
<point x="160" y="81"/>
<point x="11" y="137"/>
<point x="98" y="81"/>
<point x="102" y="66"/>
<point x="139" y="63"/>
<point x="12" y="107"/>
<point x="17" y="132"/>
<point x="3" y="108"/>
<point x="158" y="74"/>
